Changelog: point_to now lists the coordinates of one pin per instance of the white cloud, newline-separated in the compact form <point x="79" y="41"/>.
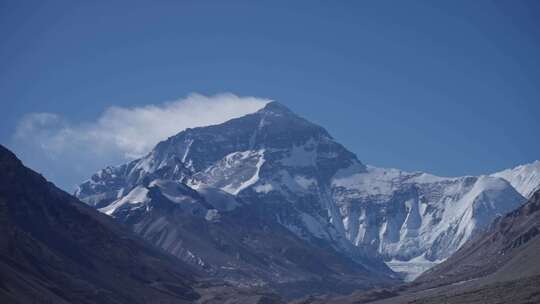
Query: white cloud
<point x="132" y="132"/>
<point x="120" y="133"/>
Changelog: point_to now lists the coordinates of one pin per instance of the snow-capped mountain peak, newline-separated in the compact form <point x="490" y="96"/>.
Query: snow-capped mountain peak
<point x="276" y="108"/>
<point x="282" y="169"/>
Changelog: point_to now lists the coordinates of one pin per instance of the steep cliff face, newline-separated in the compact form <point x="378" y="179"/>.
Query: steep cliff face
<point x="415" y="220"/>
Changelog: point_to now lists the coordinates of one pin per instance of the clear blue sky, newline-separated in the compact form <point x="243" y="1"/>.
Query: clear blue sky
<point x="449" y="87"/>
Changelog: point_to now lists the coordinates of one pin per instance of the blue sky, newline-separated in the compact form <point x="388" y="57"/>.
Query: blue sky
<point x="449" y="87"/>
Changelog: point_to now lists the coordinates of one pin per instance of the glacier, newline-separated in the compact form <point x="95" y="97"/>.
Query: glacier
<point x="418" y="218"/>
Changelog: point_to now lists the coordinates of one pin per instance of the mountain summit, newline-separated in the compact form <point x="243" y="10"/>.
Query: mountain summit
<point x="257" y="192"/>
<point x="276" y="108"/>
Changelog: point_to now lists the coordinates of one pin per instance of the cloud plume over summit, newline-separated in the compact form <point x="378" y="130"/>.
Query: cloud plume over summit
<point x="119" y="133"/>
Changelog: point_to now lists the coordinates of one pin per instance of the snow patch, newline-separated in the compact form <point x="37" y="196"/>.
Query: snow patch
<point x="413" y="268"/>
<point x="212" y="215"/>
<point x="252" y="180"/>
<point x="136" y="196"/>
<point x="304" y="182"/>
<point x="263" y="188"/>
<point x="233" y="173"/>
<point x="186" y="152"/>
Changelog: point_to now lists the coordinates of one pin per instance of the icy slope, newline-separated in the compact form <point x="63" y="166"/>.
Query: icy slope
<point x="525" y="178"/>
<point x="408" y="217"/>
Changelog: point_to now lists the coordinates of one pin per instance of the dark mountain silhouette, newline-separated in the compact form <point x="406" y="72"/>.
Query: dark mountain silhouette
<point x="55" y="249"/>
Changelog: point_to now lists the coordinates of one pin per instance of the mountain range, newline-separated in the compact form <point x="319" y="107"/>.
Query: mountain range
<point x="262" y="208"/>
<point x="271" y="199"/>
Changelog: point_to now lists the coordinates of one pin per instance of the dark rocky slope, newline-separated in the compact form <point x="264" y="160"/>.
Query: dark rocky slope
<point x="55" y="249"/>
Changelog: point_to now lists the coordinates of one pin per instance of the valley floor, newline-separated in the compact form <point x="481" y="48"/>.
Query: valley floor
<point x="522" y="291"/>
<point x="485" y="290"/>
